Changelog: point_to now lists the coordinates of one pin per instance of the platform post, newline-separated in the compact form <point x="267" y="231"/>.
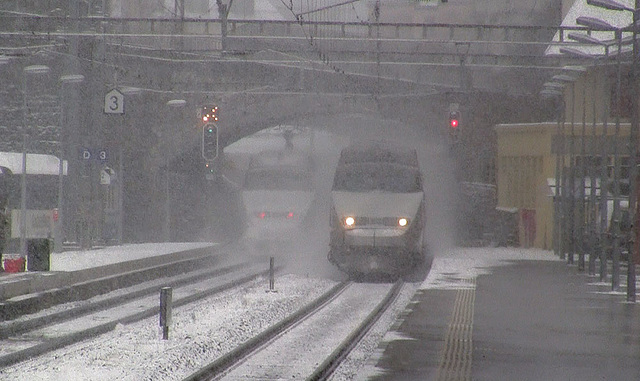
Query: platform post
<point x="165" y="311"/>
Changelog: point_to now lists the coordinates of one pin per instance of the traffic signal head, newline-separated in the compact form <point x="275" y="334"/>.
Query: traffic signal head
<point x="209" y="167"/>
<point x="209" y="114"/>
<point x="209" y="141"/>
<point x="454" y="119"/>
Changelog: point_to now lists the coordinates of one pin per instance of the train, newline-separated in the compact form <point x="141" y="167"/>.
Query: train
<point x="277" y="188"/>
<point x="378" y="210"/>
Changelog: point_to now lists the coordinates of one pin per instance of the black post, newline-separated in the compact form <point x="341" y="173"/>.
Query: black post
<point x="165" y="311"/>
<point x="271" y="274"/>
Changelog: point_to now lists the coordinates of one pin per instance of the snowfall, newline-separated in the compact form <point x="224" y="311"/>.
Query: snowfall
<point x="205" y="330"/>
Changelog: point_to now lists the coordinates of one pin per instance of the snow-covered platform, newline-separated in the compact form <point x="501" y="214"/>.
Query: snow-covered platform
<point x="72" y="267"/>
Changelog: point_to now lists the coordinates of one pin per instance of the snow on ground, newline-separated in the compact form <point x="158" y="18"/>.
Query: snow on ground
<point x="202" y="332"/>
<point x="84" y="259"/>
<point x="199" y="334"/>
<point x="453" y="269"/>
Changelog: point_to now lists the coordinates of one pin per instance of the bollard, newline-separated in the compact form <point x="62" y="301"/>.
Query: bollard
<point x="165" y="311"/>
<point x="271" y="276"/>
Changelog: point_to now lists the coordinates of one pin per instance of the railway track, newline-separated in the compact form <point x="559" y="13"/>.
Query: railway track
<point x="31" y="336"/>
<point x="291" y="348"/>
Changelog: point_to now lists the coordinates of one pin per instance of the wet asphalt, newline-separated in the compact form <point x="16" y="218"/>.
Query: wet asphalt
<point x="530" y="320"/>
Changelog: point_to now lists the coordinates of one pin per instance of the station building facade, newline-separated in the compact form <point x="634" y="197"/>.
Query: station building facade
<point x="529" y="156"/>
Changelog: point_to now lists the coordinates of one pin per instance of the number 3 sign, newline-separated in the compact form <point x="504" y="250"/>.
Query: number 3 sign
<point x="114" y="102"/>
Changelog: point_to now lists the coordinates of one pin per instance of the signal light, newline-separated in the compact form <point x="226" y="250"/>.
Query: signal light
<point x="209" y="167"/>
<point x="454" y="119"/>
<point x="209" y="114"/>
<point x="209" y="141"/>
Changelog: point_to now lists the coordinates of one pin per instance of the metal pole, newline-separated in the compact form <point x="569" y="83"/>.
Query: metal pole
<point x="583" y="171"/>
<point x="271" y="274"/>
<point x="604" y="194"/>
<point x="592" y="183"/>
<point x="59" y="227"/>
<point x="57" y="243"/>
<point x="556" y="221"/>
<point x="572" y="180"/>
<point x="165" y="310"/>
<point x="633" y="173"/>
<point x="563" y="189"/>
<point x="167" y="203"/>
<point x="120" y="178"/>
<point x="615" y="275"/>
<point x="23" y="177"/>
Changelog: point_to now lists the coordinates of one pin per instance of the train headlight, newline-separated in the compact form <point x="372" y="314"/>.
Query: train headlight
<point x="402" y="222"/>
<point x="349" y="222"/>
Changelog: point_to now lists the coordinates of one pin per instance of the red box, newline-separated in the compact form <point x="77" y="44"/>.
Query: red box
<point x="14" y="265"/>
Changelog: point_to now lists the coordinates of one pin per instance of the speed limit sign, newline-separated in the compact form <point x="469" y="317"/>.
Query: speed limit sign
<point x="114" y="102"/>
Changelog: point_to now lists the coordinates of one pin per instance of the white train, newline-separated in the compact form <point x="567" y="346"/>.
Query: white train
<point x="378" y="211"/>
<point x="277" y="187"/>
<point x="277" y="194"/>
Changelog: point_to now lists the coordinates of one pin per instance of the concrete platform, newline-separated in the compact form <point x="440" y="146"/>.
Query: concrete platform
<point x="73" y="267"/>
<point x="512" y="320"/>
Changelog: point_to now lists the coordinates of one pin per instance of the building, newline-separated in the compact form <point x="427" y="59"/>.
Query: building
<point x="531" y="156"/>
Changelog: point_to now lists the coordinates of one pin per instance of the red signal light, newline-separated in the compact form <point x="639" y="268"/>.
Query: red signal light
<point x="290" y="215"/>
<point x="454" y="119"/>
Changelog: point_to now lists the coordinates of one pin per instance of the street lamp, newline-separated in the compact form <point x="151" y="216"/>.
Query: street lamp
<point x="173" y="103"/>
<point x="28" y="70"/>
<point x="59" y="229"/>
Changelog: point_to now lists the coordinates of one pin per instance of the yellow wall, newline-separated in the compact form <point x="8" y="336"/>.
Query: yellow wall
<point x="524" y="162"/>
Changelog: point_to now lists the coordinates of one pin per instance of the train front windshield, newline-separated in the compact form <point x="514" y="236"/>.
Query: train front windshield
<point x="385" y="177"/>
<point x="278" y="179"/>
